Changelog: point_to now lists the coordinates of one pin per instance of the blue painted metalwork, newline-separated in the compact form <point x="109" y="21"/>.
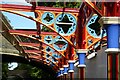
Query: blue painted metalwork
<point x="58" y="73"/>
<point x="90" y="41"/>
<point x="60" y="44"/>
<point x="75" y="42"/>
<point x="47" y="18"/>
<point x="48" y="39"/>
<point x="56" y="55"/>
<point x="81" y="58"/>
<point x="71" y="66"/>
<point x="65" y="24"/>
<point x="113" y="35"/>
<point x="47" y="60"/>
<point x="48" y="49"/>
<point x="96" y="45"/>
<point x="61" y="72"/>
<point x="94" y="28"/>
<point x="52" y="65"/>
<point x="65" y="70"/>
<point x="119" y="37"/>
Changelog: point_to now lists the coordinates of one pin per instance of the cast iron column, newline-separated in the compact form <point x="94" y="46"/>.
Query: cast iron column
<point x="81" y="59"/>
<point x="65" y="71"/>
<point x="71" y="69"/>
<point x="112" y="26"/>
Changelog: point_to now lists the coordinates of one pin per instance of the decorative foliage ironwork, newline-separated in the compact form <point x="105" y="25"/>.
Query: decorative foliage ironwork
<point x="48" y="39"/>
<point x="47" y="18"/>
<point x="94" y="28"/>
<point x="60" y="44"/>
<point x="65" y="24"/>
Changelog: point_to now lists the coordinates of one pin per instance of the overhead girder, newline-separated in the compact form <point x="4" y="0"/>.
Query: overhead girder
<point x="34" y="33"/>
<point x="37" y="58"/>
<point x="8" y="6"/>
<point x="42" y="8"/>
<point x="100" y="13"/>
<point x="31" y="32"/>
<point x="33" y="51"/>
<point x="48" y="45"/>
<point x="35" y="45"/>
<point x="31" y="45"/>
<point x="8" y="9"/>
<point x="93" y="7"/>
<point x="36" y="52"/>
<point x="17" y="39"/>
<point x="25" y="35"/>
<point x="38" y="21"/>
<point x="85" y="14"/>
<point x="95" y="41"/>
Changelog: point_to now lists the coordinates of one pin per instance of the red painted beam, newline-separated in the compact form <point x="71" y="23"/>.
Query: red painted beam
<point x="31" y="32"/>
<point x="34" y="45"/>
<point x="30" y="44"/>
<point x="79" y="30"/>
<point x="22" y="8"/>
<point x="33" y="51"/>
<point x="93" y="7"/>
<point x="113" y="9"/>
<point x="31" y="18"/>
<point x="118" y="9"/>
<point x="40" y="58"/>
<point x="36" y="57"/>
<point x="22" y="34"/>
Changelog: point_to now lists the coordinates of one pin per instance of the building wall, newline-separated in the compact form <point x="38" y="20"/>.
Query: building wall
<point x="95" y="67"/>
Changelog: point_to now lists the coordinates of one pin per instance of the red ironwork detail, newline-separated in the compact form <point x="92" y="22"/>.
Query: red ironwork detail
<point x="31" y="32"/>
<point x="40" y="41"/>
<point x="30" y="44"/>
<point x="33" y="51"/>
<point x="29" y="17"/>
<point x="93" y="7"/>
<point x="112" y="8"/>
<point x="79" y="30"/>
<point x="22" y="8"/>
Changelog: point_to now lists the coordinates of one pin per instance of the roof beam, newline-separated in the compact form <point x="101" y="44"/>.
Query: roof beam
<point x="31" y="32"/>
<point x="33" y="51"/>
<point x="30" y="9"/>
<point x="93" y="7"/>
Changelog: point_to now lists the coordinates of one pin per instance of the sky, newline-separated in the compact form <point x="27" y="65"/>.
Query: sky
<point x="18" y="22"/>
<point x="20" y="2"/>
